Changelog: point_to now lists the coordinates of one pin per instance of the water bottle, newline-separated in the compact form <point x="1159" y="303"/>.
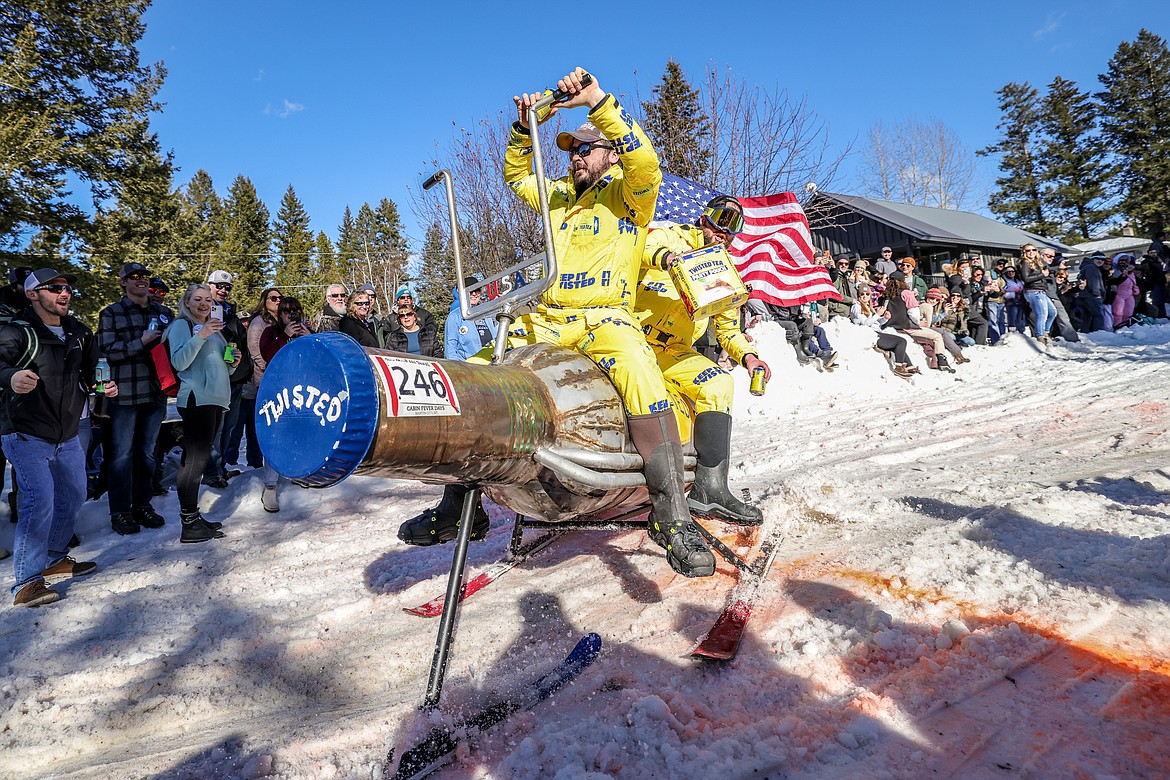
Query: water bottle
<point x="154" y="325"/>
<point x="101" y="376"/>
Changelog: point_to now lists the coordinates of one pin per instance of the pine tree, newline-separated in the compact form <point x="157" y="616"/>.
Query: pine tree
<point x="246" y="246"/>
<point x="382" y="249"/>
<point x="677" y="126"/>
<point x="348" y="261"/>
<point x="322" y="273"/>
<point x="74" y="112"/>
<point x="140" y="226"/>
<point x="1020" y="199"/>
<point x="1135" y="108"/>
<point x="293" y="243"/>
<point x="1073" y="156"/>
<point x="201" y="229"/>
<point x="436" y="273"/>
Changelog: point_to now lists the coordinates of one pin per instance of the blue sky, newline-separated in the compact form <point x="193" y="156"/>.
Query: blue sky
<point x="349" y="101"/>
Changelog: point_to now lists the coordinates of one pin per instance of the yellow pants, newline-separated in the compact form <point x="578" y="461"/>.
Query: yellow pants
<point x="611" y="338"/>
<point x="693" y="376"/>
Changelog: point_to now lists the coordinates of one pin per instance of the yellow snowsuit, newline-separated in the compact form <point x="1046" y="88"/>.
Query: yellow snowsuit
<point x="671" y="332"/>
<point x="599" y="239"/>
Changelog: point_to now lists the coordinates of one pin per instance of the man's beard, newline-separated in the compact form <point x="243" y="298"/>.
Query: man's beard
<point x="340" y="312"/>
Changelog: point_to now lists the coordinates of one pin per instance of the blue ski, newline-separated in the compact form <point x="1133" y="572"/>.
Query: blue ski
<point x="438" y="748"/>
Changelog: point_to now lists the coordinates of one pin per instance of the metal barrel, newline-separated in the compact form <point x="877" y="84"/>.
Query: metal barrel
<point x="543" y="433"/>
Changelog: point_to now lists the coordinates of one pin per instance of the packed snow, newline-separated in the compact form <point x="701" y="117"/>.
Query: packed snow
<point x="974" y="582"/>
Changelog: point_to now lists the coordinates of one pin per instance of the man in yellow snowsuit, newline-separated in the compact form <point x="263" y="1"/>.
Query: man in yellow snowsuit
<point x="671" y="332"/>
<point x="600" y="214"/>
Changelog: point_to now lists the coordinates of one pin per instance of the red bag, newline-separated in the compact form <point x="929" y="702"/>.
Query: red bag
<point x="167" y="379"/>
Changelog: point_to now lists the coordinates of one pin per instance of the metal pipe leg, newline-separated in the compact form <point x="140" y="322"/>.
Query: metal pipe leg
<point x="451" y="602"/>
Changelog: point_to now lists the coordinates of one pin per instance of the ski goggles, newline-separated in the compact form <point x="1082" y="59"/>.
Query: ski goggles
<point x="725" y="220"/>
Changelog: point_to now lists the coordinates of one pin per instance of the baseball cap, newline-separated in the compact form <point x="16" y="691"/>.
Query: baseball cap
<point x="219" y="277"/>
<point x="44" y="276"/>
<point x="133" y="268"/>
<point x="898" y="275"/>
<point x="585" y="134"/>
<point x="887" y="249"/>
<point x="159" y="284"/>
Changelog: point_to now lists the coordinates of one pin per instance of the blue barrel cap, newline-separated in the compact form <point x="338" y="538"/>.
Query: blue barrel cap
<point x="317" y="409"/>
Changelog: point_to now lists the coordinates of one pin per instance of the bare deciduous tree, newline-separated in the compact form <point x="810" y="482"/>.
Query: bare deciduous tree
<point x="921" y="162"/>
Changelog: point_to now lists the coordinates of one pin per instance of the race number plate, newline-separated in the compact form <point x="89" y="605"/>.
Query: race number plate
<point x="415" y="388"/>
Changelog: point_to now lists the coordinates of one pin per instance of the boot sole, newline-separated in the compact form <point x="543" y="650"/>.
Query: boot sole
<point x="197" y="541"/>
<point x="39" y="602"/>
<point x="717" y="512"/>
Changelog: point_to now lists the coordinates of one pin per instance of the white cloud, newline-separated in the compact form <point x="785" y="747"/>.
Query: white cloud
<point x="1050" y="25"/>
<point x="290" y="108"/>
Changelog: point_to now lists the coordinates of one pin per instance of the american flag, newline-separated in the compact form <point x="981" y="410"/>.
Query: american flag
<point x="774" y="252"/>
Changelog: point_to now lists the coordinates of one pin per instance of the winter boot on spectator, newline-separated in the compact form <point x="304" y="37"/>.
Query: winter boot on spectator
<point x="655" y="437"/>
<point x="943" y="364"/>
<point x="196" y="529"/>
<point x="148" y="518"/>
<point x="440" y="524"/>
<point x="710" y="496"/>
<point x="124" y="523"/>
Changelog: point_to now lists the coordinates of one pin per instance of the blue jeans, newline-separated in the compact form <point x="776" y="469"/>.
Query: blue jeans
<point x="246" y="424"/>
<point x="1043" y="310"/>
<point x="996" y="316"/>
<point x="51" y="482"/>
<point x="130" y="469"/>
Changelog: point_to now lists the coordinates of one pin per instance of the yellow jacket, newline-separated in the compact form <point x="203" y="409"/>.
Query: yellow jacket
<point x="599" y="238"/>
<point x="660" y="309"/>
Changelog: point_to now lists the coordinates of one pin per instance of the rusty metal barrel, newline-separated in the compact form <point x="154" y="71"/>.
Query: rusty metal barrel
<point x="543" y="433"/>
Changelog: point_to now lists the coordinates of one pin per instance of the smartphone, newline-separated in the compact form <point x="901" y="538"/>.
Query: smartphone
<point x="217" y="312"/>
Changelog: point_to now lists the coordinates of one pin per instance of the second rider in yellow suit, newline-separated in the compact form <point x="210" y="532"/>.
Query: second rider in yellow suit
<point x="600" y="214"/>
<point x="671" y="333"/>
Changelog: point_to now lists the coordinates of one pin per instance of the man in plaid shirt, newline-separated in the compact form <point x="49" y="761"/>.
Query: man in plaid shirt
<point x="126" y="332"/>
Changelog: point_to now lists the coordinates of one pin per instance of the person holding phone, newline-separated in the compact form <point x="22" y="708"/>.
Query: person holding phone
<point x="199" y="356"/>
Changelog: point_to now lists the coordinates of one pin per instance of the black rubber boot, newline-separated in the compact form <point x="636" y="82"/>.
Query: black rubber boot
<point x="710" y="496"/>
<point x="943" y="364"/>
<point x="655" y="436"/>
<point x="196" y="529"/>
<point x="440" y="524"/>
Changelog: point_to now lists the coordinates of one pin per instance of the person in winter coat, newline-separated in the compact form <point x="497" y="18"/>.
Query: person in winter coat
<point x="1091" y="296"/>
<point x="290" y="324"/>
<point x="357" y="323"/>
<point x="47" y="361"/>
<point x="1125" y="298"/>
<point x="332" y="310"/>
<point x="463" y="338"/>
<point x="1034" y="275"/>
<point x="411" y="338"/>
<point x="901" y="308"/>
<point x="1013" y="298"/>
<point x="198" y="354"/>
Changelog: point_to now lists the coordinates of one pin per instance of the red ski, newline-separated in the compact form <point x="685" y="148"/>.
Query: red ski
<point x="722" y="641"/>
<point x="434" y="607"/>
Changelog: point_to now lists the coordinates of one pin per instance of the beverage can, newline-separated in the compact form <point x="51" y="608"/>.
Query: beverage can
<point x="229" y="352"/>
<point x="759" y="380"/>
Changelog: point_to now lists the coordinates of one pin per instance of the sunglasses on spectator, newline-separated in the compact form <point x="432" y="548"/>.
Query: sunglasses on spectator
<point x="362" y="303"/>
<point x="901" y="265"/>
<point x="407" y="314"/>
<point x="137" y="277"/>
<point x="275" y="297"/>
<point x="56" y="289"/>
<point x="583" y="150"/>
<point x="336" y="295"/>
<point x="222" y="285"/>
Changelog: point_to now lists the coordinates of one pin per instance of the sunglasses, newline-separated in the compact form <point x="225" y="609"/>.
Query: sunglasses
<point x="404" y="316"/>
<point x="583" y="150"/>
<point x="222" y="285"/>
<point x="137" y="277"/>
<point x="336" y="295"/>
<point x="362" y="303"/>
<point x="275" y="297"/>
<point x="56" y="289"/>
<point x="724" y="220"/>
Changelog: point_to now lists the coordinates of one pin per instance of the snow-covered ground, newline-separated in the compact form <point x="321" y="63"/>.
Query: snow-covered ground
<point x="974" y="582"/>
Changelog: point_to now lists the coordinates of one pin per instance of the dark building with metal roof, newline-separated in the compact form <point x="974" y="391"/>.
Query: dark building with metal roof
<point x="862" y="226"/>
